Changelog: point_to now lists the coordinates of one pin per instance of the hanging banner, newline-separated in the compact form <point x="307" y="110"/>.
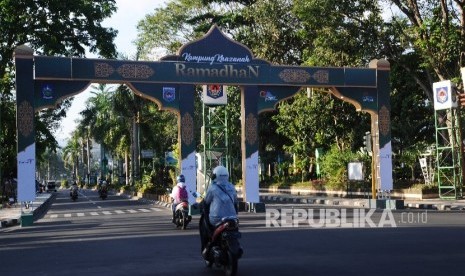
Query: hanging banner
<point x="214" y="94"/>
<point x="444" y="97"/>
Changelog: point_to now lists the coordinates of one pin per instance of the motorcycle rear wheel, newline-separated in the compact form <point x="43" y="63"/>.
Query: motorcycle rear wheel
<point x="184" y="220"/>
<point x="208" y="263"/>
<point x="184" y="224"/>
<point x="230" y="268"/>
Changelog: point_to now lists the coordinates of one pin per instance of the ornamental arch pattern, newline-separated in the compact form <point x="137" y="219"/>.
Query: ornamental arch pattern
<point x="43" y="81"/>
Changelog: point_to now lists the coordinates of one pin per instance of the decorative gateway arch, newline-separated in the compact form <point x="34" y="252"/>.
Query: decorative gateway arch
<point x="43" y="81"/>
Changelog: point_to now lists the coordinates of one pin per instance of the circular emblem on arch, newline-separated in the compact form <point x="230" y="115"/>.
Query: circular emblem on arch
<point x="25" y="118"/>
<point x="251" y="129"/>
<point x="187" y="129"/>
<point x="384" y="120"/>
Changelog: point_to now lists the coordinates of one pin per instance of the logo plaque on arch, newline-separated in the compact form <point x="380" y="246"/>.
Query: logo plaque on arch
<point x="215" y="94"/>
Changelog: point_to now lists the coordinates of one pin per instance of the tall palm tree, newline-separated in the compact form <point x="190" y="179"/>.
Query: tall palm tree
<point x="120" y="137"/>
<point x="71" y="153"/>
<point x="95" y="118"/>
<point x="83" y="131"/>
<point x="112" y="118"/>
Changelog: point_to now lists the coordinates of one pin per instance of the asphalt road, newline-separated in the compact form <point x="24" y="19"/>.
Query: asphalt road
<point x="119" y="236"/>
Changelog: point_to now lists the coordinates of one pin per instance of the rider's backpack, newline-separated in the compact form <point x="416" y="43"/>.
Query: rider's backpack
<point x="183" y="193"/>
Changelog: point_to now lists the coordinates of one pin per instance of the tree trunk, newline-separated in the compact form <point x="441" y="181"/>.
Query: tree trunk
<point x="126" y="161"/>
<point x="135" y="148"/>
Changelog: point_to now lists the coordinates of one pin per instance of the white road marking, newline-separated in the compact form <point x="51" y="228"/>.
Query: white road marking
<point x="54" y="216"/>
<point x="144" y="210"/>
<point x="80" y="214"/>
<point x="94" y="214"/>
<point x="67" y="215"/>
<point x="131" y="211"/>
<point x="119" y="212"/>
<point x="156" y="209"/>
<point x="106" y="212"/>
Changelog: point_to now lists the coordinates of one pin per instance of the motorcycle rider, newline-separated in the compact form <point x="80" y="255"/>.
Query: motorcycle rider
<point x="74" y="187"/>
<point x="178" y="194"/>
<point x="103" y="188"/>
<point x="219" y="202"/>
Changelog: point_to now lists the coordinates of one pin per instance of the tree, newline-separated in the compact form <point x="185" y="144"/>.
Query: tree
<point x="423" y="43"/>
<point x="96" y="118"/>
<point x="168" y="27"/>
<point x="71" y="153"/>
<point x="411" y="114"/>
<point x="272" y="143"/>
<point x="339" y="32"/>
<point x="56" y="28"/>
<point x="317" y="122"/>
<point x="435" y="32"/>
<point x="112" y="116"/>
<point x="50" y="28"/>
<point x="7" y="138"/>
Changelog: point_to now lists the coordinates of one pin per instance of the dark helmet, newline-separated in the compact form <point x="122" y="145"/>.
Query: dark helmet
<point x="180" y="179"/>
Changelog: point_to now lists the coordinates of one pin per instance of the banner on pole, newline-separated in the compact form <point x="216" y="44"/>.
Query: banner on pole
<point x="444" y="97"/>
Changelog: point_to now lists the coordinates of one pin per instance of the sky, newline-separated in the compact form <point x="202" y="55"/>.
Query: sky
<point x="125" y="20"/>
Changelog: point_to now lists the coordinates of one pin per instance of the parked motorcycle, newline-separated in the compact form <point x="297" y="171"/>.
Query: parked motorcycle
<point x="181" y="215"/>
<point x="224" y="249"/>
<point x="74" y="193"/>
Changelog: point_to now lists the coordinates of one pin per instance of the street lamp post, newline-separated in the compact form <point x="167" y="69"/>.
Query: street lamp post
<point x="88" y="157"/>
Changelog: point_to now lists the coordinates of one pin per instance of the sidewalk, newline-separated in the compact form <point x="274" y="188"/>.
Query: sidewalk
<point x="10" y="216"/>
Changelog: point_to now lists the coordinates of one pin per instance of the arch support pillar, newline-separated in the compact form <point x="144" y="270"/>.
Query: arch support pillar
<point x="26" y="158"/>
<point x="381" y="128"/>
<point x="249" y="145"/>
<point x="186" y="138"/>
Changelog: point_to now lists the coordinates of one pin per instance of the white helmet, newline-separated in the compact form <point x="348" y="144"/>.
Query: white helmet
<point x="220" y="172"/>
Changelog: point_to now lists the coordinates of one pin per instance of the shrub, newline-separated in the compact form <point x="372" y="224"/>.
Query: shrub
<point x="334" y="167"/>
<point x="425" y="188"/>
<point x="65" y="183"/>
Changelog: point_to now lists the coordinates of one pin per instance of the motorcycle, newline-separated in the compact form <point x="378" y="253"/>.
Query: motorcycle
<point x="74" y="193"/>
<point x="223" y="249"/>
<point x="181" y="215"/>
<point x="102" y="192"/>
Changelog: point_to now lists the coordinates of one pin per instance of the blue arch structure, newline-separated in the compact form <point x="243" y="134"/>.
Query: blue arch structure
<point x="43" y="81"/>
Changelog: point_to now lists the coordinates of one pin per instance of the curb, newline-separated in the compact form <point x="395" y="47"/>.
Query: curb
<point x="359" y="203"/>
<point x="9" y="222"/>
<point x="155" y="202"/>
<point x="40" y="211"/>
<point x="36" y="213"/>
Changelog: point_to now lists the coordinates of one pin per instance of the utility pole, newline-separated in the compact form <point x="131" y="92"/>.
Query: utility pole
<point x="88" y="158"/>
<point x="1" y="138"/>
<point x="367" y="142"/>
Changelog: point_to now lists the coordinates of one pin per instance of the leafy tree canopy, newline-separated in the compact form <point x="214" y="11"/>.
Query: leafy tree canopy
<point x="52" y="27"/>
